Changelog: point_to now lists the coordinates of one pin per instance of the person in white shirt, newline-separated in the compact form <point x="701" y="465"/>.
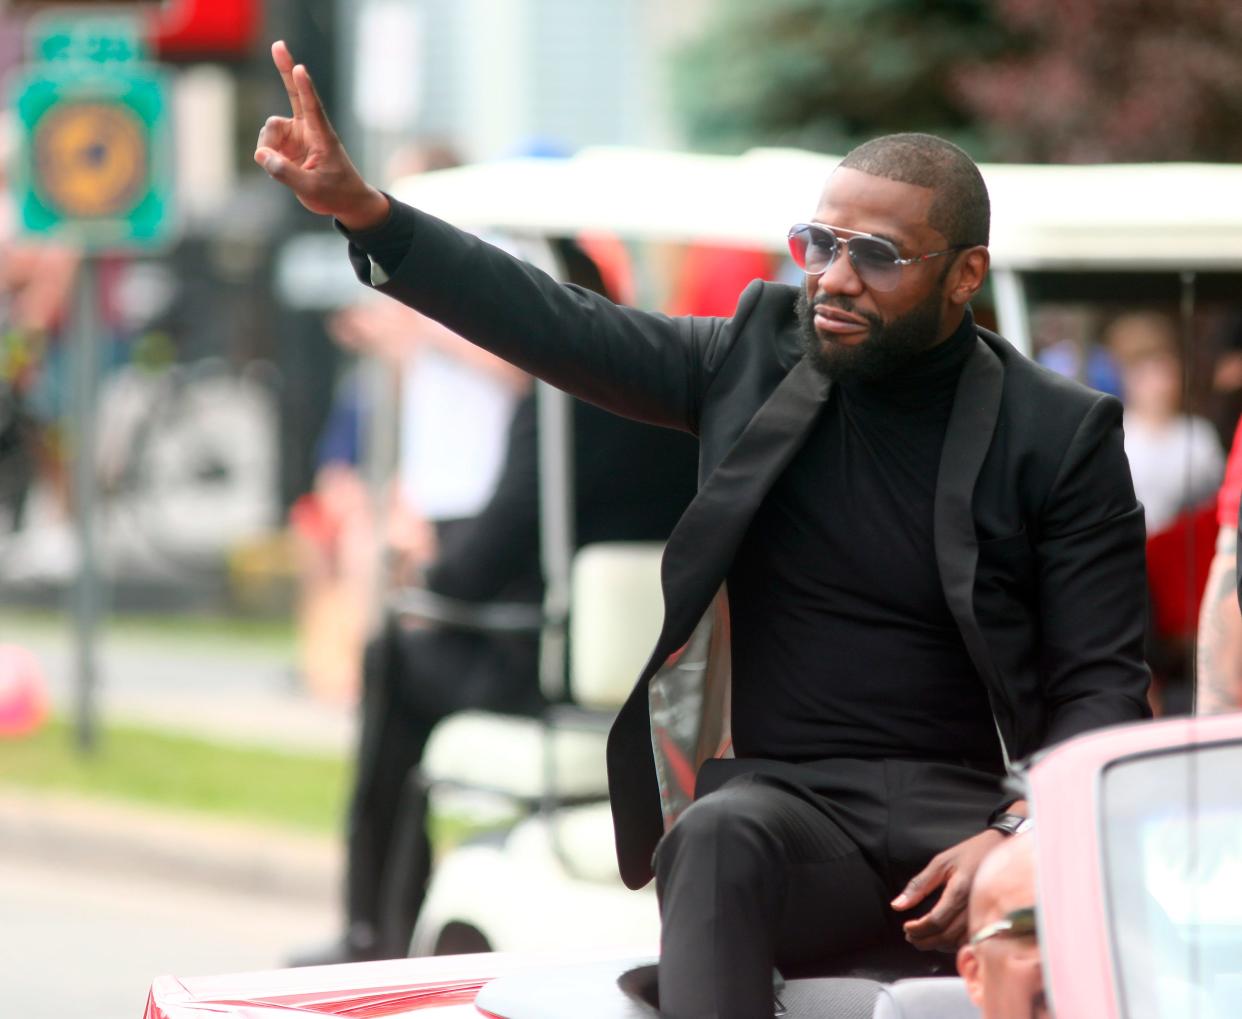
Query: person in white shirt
<point x="1176" y="459"/>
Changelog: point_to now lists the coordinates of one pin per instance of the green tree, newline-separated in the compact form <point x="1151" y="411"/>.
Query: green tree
<point x="1111" y="80"/>
<point x="1028" y="80"/>
<point x="825" y="74"/>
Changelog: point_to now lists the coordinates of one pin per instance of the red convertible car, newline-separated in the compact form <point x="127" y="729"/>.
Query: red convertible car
<point x="1139" y="847"/>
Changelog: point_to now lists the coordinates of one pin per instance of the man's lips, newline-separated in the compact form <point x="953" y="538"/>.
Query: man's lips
<point x="833" y="320"/>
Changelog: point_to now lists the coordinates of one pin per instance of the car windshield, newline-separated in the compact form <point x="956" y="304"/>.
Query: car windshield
<point x="1173" y="855"/>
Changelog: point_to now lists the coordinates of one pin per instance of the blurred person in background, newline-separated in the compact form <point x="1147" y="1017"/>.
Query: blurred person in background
<point x="1175" y="458"/>
<point x="456" y="402"/>
<point x="631" y="483"/>
<point x="456" y="405"/>
<point x="36" y="286"/>
<point x="1060" y="336"/>
<point x="1218" y="674"/>
<point x="333" y="530"/>
<point x="1226" y="394"/>
<point x="1176" y="462"/>
<point x="1000" y="961"/>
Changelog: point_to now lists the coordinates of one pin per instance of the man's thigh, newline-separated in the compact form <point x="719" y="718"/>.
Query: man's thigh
<point x="826" y="896"/>
<point x="834" y="899"/>
<point x="876" y="824"/>
<point x="932" y="806"/>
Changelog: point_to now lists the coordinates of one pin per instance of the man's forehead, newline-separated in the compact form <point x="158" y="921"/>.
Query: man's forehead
<point x="864" y="201"/>
<point x="1004" y="882"/>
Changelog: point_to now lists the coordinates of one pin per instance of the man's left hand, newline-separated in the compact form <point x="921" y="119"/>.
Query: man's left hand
<point x="944" y="927"/>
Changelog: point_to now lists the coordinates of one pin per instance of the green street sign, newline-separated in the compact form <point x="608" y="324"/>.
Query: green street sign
<point x="95" y="159"/>
<point x="89" y="39"/>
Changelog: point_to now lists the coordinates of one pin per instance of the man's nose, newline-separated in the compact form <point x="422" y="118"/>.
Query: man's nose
<point x="839" y="278"/>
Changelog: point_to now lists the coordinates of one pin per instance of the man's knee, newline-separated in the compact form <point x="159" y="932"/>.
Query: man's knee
<point x="726" y="833"/>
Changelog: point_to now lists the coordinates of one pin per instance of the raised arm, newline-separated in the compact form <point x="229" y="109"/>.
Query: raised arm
<point x="304" y="153"/>
<point x="644" y="366"/>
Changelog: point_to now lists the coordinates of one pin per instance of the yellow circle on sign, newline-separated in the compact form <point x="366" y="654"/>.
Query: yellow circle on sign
<point x="90" y="159"/>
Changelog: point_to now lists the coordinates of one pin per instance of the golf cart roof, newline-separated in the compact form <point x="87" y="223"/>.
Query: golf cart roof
<point x="1168" y="216"/>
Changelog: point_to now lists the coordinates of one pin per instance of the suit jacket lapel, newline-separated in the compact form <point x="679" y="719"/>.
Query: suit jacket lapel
<point x="696" y="557"/>
<point x="972" y="423"/>
<point x="703" y="544"/>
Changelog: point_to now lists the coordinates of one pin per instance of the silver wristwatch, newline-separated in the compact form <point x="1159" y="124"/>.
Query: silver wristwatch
<point x="1011" y="824"/>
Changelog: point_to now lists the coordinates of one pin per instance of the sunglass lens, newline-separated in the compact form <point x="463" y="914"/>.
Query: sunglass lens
<point x="798" y="241"/>
<point x="1023" y="923"/>
<point x="813" y="247"/>
<point x="875" y="261"/>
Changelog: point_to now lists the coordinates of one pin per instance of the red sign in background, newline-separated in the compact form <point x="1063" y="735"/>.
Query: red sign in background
<point x="191" y="29"/>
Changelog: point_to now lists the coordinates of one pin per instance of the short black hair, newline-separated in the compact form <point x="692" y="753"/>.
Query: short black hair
<point x="960" y="209"/>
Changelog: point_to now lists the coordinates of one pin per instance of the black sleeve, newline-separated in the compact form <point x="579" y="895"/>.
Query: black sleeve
<point x="638" y="364"/>
<point x="1092" y="583"/>
<point x="387" y="243"/>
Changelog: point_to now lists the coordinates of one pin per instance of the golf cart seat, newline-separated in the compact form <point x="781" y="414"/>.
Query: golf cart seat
<point x="551" y="879"/>
<point x="559" y="758"/>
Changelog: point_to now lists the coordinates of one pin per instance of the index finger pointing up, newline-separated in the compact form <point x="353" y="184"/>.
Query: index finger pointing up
<point x="283" y="60"/>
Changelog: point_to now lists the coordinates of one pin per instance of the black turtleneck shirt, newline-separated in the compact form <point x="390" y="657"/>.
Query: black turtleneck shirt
<point x="843" y="644"/>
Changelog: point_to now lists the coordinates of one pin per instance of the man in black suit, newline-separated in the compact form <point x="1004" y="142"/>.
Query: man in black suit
<point x="918" y="554"/>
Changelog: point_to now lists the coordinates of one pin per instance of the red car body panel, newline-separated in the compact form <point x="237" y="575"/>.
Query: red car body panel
<point x="441" y="987"/>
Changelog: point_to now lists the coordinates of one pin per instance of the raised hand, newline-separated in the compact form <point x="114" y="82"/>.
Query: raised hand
<point x="303" y="153"/>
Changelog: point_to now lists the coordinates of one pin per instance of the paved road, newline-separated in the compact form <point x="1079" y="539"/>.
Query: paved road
<point x="86" y="921"/>
<point x="236" y="692"/>
<point x="79" y="943"/>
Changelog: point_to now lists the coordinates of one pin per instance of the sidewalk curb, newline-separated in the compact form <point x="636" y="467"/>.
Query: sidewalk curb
<point x="123" y="838"/>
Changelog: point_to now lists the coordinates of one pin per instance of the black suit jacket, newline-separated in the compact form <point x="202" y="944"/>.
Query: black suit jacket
<point x="1039" y="537"/>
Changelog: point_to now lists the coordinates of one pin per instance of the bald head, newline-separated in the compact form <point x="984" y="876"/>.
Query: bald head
<point x="1004" y="881"/>
<point x="1002" y="972"/>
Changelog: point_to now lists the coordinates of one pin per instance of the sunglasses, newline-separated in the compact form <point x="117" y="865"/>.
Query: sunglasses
<point x="877" y="261"/>
<point x="1018" y="924"/>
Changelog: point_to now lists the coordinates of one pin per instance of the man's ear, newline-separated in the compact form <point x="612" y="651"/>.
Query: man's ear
<point x="968" y="275"/>
<point x="969" y="970"/>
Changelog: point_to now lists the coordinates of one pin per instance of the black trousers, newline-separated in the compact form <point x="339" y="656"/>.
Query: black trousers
<point x="413" y="679"/>
<point x="793" y="864"/>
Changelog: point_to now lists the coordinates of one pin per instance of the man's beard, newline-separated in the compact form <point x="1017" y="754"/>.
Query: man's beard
<point x="887" y="347"/>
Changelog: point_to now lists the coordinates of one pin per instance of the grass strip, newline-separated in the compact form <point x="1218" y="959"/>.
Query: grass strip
<point x="275" y="634"/>
<point x="143" y="766"/>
